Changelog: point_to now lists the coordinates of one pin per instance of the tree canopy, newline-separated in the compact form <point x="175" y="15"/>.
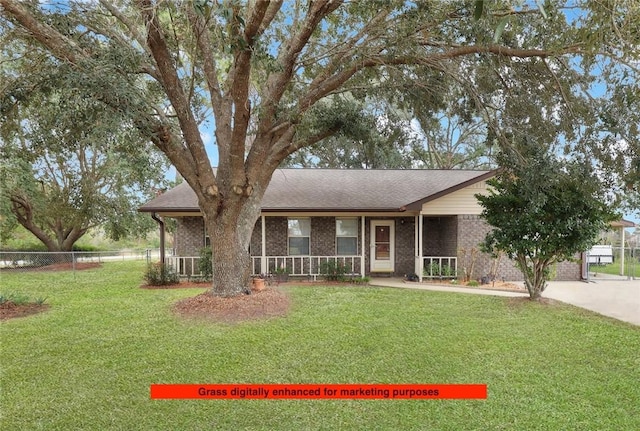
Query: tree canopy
<point x="258" y="72"/>
<point x="543" y="211"/>
<point x="70" y="163"/>
<point x="369" y="135"/>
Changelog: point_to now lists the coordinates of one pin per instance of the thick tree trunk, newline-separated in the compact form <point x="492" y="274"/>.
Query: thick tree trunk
<point x="535" y="276"/>
<point x="230" y="259"/>
<point x="230" y="232"/>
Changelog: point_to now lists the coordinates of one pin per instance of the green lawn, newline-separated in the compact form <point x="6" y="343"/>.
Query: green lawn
<point x="88" y="362"/>
<point x="631" y="267"/>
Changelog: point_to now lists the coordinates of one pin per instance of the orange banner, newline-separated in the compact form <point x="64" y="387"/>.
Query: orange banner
<point x="318" y="391"/>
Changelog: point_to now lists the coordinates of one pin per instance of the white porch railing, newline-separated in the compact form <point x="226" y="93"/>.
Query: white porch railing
<point x="440" y="266"/>
<point x="433" y="266"/>
<point x="184" y="266"/>
<point x="187" y="266"/>
<point x="302" y="265"/>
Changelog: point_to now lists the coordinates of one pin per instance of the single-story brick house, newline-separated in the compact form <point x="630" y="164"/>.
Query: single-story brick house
<point x="378" y="222"/>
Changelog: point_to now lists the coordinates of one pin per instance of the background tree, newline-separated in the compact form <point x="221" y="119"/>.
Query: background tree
<point x="263" y="67"/>
<point x="445" y="141"/>
<point x="543" y="211"/>
<point x="369" y="135"/>
<point x="70" y="163"/>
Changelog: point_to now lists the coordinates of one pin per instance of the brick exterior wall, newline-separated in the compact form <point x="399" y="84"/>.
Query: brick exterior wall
<point x="189" y="238"/>
<point x="276" y="229"/>
<point x="255" y="246"/>
<point x="440" y="236"/>
<point x="404" y="246"/>
<point x="323" y="236"/>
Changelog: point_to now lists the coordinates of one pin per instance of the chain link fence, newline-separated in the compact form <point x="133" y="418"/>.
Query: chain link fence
<point x="74" y="260"/>
<point x="617" y="267"/>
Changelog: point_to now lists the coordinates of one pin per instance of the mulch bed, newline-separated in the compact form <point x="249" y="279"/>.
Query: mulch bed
<point x="9" y="310"/>
<point x="498" y="285"/>
<point x="257" y="306"/>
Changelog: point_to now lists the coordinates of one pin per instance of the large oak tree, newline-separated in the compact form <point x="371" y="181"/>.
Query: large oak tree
<point x="69" y="163"/>
<point x="258" y="71"/>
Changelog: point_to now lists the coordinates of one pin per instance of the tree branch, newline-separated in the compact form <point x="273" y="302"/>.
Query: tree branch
<point x="209" y="62"/>
<point x="277" y="82"/>
<point x="232" y="163"/>
<point x="23" y="211"/>
<point x="270" y="14"/>
<point x="206" y="186"/>
<point x="61" y="46"/>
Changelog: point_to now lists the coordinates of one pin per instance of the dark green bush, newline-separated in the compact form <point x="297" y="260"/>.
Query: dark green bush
<point x="20" y="299"/>
<point x="158" y="274"/>
<point x="334" y="271"/>
<point x="204" y="264"/>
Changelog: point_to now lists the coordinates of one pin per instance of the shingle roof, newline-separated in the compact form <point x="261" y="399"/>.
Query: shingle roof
<point x="338" y="190"/>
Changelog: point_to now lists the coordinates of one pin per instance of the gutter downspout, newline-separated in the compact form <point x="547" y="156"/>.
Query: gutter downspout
<point x="161" y="224"/>
<point x="420" y="246"/>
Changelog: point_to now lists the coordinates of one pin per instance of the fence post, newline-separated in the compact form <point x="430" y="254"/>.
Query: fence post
<point x="588" y="266"/>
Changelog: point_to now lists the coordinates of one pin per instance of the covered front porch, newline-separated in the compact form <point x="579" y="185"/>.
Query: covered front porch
<point x="312" y="245"/>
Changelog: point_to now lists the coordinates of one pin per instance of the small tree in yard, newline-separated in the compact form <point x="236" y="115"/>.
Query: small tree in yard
<point x="543" y="210"/>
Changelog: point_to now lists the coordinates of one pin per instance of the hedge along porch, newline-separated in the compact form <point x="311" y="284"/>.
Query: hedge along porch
<point x="376" y="222"/>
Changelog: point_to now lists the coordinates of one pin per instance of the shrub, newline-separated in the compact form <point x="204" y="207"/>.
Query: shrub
<point x="40" y="300"/>
<point x="473" y="283"/>
<point x="448" y="271"/>
<point x="205" y="264"/>
<point x="158" y="274"/>
<point x="334" y="271"/>
<point x="361" y="280"/>
<point x="432" y="270"/>
<point x="19" y="299"/>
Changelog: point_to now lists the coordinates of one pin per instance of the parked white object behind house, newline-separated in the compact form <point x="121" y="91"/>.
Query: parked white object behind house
<point x="601" y="254"/>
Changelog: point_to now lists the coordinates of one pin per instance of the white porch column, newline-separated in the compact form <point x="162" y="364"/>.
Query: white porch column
<point x="420" y="247"/>
<point x="622" y="250"/>
<point x="362" y="231"/>
<point x="263" y="252"/>
<point x="416" y="249"/>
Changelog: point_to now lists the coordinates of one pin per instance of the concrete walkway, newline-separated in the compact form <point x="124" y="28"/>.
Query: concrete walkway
<point x="619" y="299"/>
<point x="400" y="283"/>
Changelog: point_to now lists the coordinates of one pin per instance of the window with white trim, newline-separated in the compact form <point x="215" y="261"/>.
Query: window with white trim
<point x="299" y="236"/>
<point x="346" y="236"/>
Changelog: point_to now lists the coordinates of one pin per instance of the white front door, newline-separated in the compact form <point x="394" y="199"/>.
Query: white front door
<point x="382" y="245"/>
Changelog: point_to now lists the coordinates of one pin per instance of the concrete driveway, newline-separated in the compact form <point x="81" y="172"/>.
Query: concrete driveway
<point x="619" y="299"/>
